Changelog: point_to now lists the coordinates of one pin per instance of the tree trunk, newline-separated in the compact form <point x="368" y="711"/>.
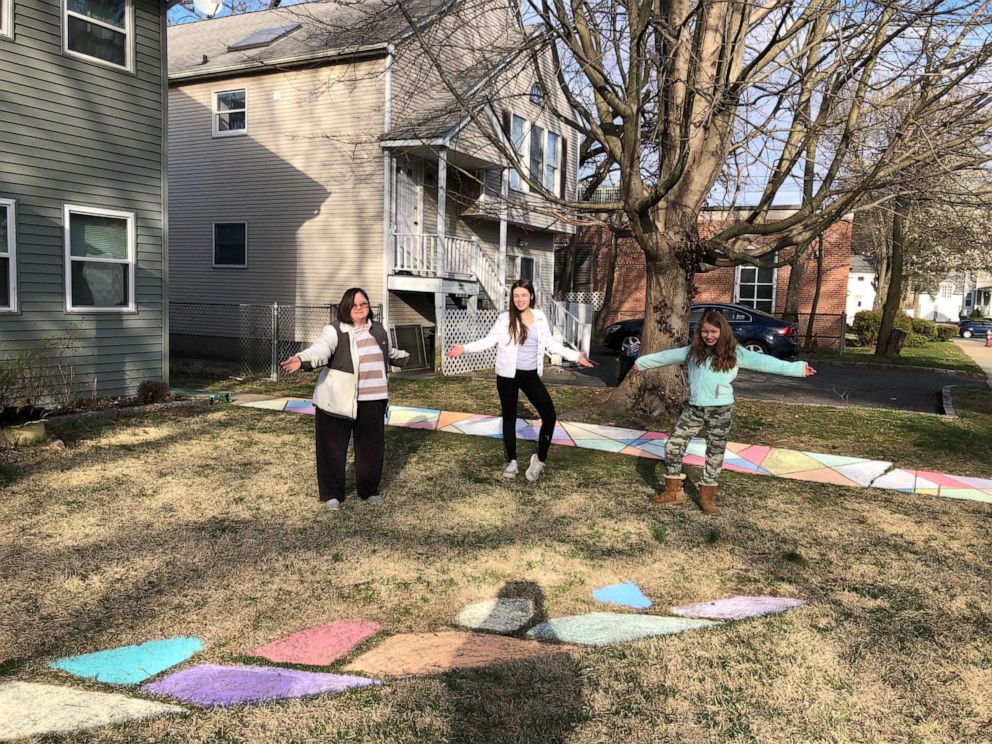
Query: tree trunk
<point x="567" y="269"/>
<point x="611" y="270"/>
<point x="791" y="310"/>
<point x="893" y="295"/>
<point x="882" y="276"/>
<point x="670" y="270"/>
<point x="808" y="344"/>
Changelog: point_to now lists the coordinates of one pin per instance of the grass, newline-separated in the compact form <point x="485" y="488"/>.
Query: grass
<point x="939" y="354"/>
<point x="206" y="524"/>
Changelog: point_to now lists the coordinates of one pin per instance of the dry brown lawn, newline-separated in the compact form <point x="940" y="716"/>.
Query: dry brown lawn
<point x="207" y="524"/>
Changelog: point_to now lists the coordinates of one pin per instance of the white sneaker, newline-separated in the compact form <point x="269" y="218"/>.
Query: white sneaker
<point x="535" y="469"/>
<point x="332" y="505"/>
<point x="510" y="471"/>
<point x="374" y="499"/>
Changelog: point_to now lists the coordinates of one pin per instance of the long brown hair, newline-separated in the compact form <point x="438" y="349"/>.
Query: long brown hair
<point x="518" y="331"/>
<point x="723" y="356"/>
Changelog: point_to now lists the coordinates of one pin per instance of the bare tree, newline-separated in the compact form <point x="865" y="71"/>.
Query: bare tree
<point x="688" y="103"/>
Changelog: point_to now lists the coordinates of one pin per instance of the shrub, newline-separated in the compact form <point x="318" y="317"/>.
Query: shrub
<point x="924" y="327"/>
<point x="946" y="331"/>
<point x="153" y="391"/>
<point x="975" y="314"/>
<point x="916" y="341"/>
<point x="867" y="322"/>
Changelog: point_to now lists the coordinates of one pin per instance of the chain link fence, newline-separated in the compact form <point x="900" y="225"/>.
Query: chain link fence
<point x="248" y="339"/>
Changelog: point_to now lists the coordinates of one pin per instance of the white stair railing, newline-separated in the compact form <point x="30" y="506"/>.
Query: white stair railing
<point x="488" y="276"/>
<point x="459" y="256"/>
<point x="416" y="254"/>
<point x="559" y="317"/>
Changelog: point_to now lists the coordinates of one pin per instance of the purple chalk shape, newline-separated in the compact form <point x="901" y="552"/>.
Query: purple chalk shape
<point x="215" y="685"/>
<point x="738" y="608"/>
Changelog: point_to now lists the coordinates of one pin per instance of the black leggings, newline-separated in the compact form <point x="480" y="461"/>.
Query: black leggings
<point x="508" y="388"/>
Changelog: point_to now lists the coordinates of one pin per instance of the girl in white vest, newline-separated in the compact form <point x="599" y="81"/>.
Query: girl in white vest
<point x="522" y="337"/>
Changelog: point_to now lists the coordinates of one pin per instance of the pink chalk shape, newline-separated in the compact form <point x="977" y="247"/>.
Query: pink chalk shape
<point x="214" y="685"/>
<point x="940" y="479"/>
<point x="756" y="453"/>
<point x="694" y="460"/>
<point x="318" y="646"/>
<point x="738" y="608"/>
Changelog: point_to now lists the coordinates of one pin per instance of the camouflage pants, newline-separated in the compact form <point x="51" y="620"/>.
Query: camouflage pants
<point x="716" y="419"/>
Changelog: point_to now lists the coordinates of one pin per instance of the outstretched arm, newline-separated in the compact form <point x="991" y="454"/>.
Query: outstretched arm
<point x="315" y="355"/>
<point x="662" y="358"/>
<point x="482" y="344"/>
<point x="765" y="363"/>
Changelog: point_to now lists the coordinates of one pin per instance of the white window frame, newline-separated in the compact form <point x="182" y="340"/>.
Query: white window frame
<point x="523" y="155"/>
<point x="737" y="288"/>
<point x="7" y="19"/>
<point x="128" y="32"/>
<point x="217" y="132"/>
<point x="67" y="211"/>
<point x="213" y="244"/>
<point x="946" y="290"/>
<point x="11" y="254"/>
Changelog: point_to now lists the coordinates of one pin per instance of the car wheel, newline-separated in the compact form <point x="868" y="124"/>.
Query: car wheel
<point x="966" y="334"/>
<point x="758" y="347"/>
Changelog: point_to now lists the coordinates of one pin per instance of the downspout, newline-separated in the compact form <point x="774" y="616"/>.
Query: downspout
<point x="164" y="74"/>
<point x="387" y="182"/>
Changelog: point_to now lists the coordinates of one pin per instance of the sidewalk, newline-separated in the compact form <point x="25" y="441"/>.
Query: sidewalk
<point x="979" y="353"/>
<point x="855" y="472"/>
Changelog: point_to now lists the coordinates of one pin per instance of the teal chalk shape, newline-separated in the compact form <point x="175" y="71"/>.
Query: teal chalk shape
<point x="129" y="665"/>
<point x="603" y="628"/>
<point x="625" y="595"/>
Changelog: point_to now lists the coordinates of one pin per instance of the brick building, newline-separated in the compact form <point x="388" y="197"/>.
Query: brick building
<point x="764" y="289"/>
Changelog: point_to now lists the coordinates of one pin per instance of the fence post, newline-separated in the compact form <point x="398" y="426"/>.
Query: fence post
<point x="843" y="332"/>
<point x="274" y="358"/>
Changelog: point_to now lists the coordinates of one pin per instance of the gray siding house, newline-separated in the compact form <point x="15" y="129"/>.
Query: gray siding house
<point x="313" y="148"/>
<point x="82" y="189"/>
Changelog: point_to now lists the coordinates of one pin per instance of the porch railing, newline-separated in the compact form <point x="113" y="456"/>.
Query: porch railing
<point x="418" y="254"/>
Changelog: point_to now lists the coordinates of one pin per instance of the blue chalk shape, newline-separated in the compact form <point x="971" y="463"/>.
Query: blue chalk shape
<point x="129" y="665"/>
<point x="603" y="628"/>
<point x="626" y="595"/>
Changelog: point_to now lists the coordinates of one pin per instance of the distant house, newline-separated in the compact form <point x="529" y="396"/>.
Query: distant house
<point x="860" y="285"/>
<point x="314" y="148"/>
<point x="762" y="289"/>
<point x="82" y="188"/>
<point x="957" y="295"/>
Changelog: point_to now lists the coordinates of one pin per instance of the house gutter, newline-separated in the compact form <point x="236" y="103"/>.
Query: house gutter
<point x="387" y="182"/>
<point x="362" y="52"/>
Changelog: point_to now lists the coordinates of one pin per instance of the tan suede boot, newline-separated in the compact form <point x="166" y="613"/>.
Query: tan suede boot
<point x="707" y="500"/>
<point x="673" y="493"/>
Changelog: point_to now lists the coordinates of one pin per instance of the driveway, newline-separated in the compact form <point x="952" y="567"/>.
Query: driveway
<point x="980" y="353"/>
<point x="835" y="385"/>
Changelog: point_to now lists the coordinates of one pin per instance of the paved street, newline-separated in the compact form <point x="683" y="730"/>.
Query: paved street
<point x="873" y="387"/>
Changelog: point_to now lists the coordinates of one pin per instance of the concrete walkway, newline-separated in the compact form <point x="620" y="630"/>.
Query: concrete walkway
<point x="979" y="353"/>
<point x="855" y="472"/>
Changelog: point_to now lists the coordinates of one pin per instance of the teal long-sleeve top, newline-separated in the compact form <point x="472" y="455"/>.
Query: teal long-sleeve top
<point x="710" y="388"/>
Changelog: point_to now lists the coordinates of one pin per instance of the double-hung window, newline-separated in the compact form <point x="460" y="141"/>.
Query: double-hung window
<point x="7" y="18"/>
<point x="756" y="288"/>
<point x="518" y="135"/>
<point x="99" y="260"/>
<point x="540" y="151"/>
<point x="8" y="258"/>
<point x="230" y="112"/>
<point x="231" y="245"/>
<point x="100" y="30"/>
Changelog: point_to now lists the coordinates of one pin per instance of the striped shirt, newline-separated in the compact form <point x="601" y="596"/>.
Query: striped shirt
<point x="371" y="367"/>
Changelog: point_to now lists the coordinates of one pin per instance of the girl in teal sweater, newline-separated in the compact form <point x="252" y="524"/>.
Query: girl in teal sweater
<point x="713" y="359"/>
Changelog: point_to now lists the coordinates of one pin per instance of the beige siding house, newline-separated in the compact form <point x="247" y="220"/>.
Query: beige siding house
<point x="315" y="148"/>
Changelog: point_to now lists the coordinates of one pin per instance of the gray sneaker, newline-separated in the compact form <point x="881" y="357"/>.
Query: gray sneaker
<point x="332" y="505"/>
<point x="510" y="471"/>
<point x="374" y="499"/>
<point x="535" y="469"/>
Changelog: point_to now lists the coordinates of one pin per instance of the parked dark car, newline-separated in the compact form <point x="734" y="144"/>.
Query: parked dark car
<point x="969" y="328"/>
<point x="755" y="330"/>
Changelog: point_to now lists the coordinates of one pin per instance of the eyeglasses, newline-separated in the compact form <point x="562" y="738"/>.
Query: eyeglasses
<point x="360" y="305"/>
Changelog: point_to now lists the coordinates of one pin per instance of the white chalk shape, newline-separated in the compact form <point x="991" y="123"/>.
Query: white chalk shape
<point x="505" y="615"/>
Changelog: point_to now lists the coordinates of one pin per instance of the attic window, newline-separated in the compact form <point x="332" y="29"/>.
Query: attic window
<point x="264" y="38"/>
